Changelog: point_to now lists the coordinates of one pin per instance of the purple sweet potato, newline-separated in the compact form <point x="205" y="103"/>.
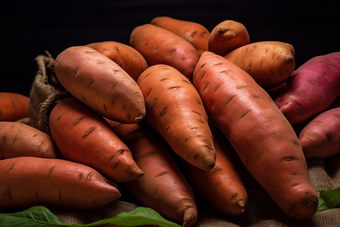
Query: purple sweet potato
<point x="320" y="138"/>
<point x="312" y="88"/>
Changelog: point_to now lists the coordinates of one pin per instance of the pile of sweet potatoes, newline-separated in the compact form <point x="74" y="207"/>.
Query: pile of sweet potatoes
<point x="181" y="113"/>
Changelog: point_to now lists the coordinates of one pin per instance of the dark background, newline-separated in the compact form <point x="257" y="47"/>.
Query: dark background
<point x="29" y="29"/>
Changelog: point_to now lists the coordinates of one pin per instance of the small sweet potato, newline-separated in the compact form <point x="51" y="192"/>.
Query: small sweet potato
<point x="320" y="138"/>
<point x="227" y="36"/>
<point x="160" y="46"/>
<point x="18" y="139"/>
<point x="269" y="62"/>
<point x="193" y="32"/>
<point x="13" y="106"/>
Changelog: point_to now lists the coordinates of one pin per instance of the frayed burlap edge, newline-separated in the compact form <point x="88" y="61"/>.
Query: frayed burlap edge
<point x="46" y="92"/>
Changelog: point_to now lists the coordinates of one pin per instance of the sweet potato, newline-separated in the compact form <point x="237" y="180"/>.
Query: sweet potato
<point x="54" y="183"/>
<point x="221" y="187"/>
<point x="320" y="138"/>
<point x="163" y="186"/>
<point x="83" y="136"/>
<point x="195" y="33"/>
<point x="269" y="62"/>
<point x="260" y="134"/>
<point x="13" y="106"/>
<point x="100" y="83"/>
<point x="128" y="58"/>
<point x="18" y="139"/>
<point x="313" y="87"/>
<point x="160" y="46"/>
<point x="227" y="36"/>
<point x="175" y="110"/>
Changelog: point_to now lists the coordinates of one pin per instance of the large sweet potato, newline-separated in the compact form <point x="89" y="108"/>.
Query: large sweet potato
<point x="55" y="183"/>
<point x="260" y="134"/>
<point x="100" y="83"/>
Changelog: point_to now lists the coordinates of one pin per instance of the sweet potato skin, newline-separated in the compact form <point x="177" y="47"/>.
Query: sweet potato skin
<point x="163" y="186"/>
<point x="54" y="183"/>
<point x="269" y="62"/>
<point x="83" y="136"/>
<point x="246" y="115"/>
<point x="19" y="139"/>
<point x="221" y="187"/>
<point x="13" y="106"/>
<point x="227" y="36"/>
<point x="100" y="83"/>
<point x="160" y="46"/>
<point x="128" y="58"/>
<point x="193" y="32"/>
<point x="312" y="88"/>
<point x="320" y="138"/>
<point x="175" y="111"/>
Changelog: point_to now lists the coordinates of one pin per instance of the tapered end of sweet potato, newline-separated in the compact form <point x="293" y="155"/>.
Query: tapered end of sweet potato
<point x="190" y="217"/>
<point x="200" y="152"/>
<point x="136" y="172"/>
<point x="305" y="208"/>
<point x="209" y="164"/>
<point x="240" y="206"/>
<point x="140" y="117"/>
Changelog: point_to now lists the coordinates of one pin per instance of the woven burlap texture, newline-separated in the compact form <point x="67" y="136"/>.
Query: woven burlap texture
<point x="261" y="209"/>
<point x="45" y="92"/>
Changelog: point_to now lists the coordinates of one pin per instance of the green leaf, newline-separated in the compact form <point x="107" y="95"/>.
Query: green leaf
<point x="37" y="216"/>
<point x="329" y="199"/>
<point x="136" y="217"/>
<point x="40" y="216"/>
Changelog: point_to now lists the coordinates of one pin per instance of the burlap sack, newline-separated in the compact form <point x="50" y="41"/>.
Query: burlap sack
<point x="261" y="209"/>
<point x="45" y="92"/>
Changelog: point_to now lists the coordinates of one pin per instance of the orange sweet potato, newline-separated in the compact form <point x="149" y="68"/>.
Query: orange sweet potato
<point x="269" y="62"/>
<point x="222" y="188"/>
<point x="175" y="110"/>
<point x="260" y="134"/>
<point x="163" y="186"/>
<point x="195" y="33"/>
<point x="128" y="58"/>
<point x="19" y="139"/>
<point x="160" y="46"/>
<point x="54" y="183"/>
<point x="13" y="106"/>
<point x="100" y="83"/>
<point x="227" y="36"/>
<point x="83" y="136"/>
